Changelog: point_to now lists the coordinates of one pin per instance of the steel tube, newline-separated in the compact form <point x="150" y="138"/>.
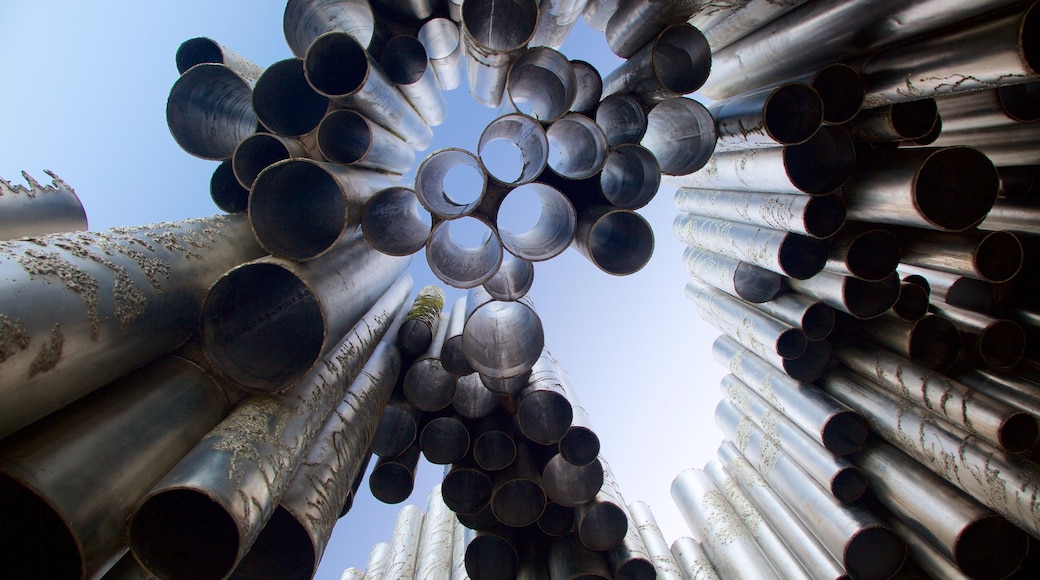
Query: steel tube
<point x="813" y="216"/>
<point x="443" y="43"/>
<point x="225" y="190"/>
<point x="692" y="561"/>
<point x="505" y="386"/>
<point x="1014" y="215"/>
<point x="896" y="122"/>
<point x="209" y="110"/>
<point x="577" y="146"/>
<point x="998" y="343"/>
<point x="285" y="103"/>
<point x="214" y="503"/>
<point x="603" y="521"/>
<point x="102" y="304"/>
<point x="1015" y="391"/>
<point x="580" y="445"/>
<point x="862" y="299"/>
<point x="39" y="209"/>
<point x="393" y="478"/>
<point x="404" y="543"/>
<point x="201" y="50"/>
<point x="841" y="89"/>
<point x="816" y="319"/>
<point x="590" y="87"/>
<point x="931" y="341"/>
<point x="494" y="447"/>
<point x="434" y="559"/>
<point x="466" y="488"/>
<point x="492" y="554"/>
<point x="352" y="574"/>
<point x="514" y="329"/>
<point x="926" y="558"/>
<point x="676" y="62"/>
<point x="472" y="399"/>
<point x="247" y="315"/>
<point x="1004" y="145"/>
<point x="259" y="151"/>
<point x="622" y="118"/>
<point x="830" y="423"/>
<point x="543" y="412"/>
<point x="393" y="222"/>
<point x="407" y="10"/>
<point x="463" y="266"/>
<point x="541" y="83"/>
<point x="452" y="358"/>
<point x="793" y="255"/>
<point x="681" y="134"/>
<point x="653" y="539"/>
<point x="784" y="115"/>
<point x="556" y="18"/>
<point x="959" y="291"/>
<point x="444" y="439"/>
<point x="745" y="281"/>
<point x="517" y="497"/>
<point x="512" y="281"/>
<point x="981" y="415"/>
<point x="495" y="34"/>
<point x="912" y="303"/>
<point x="398" y="428"/>
<point x="458" y="554"/>
<point x="306" y="20"/>
<point x="728" y="24"/>
<point x="990" y="256"/>
<point x="571" y="485"/>
<point x="630" y="559"/>
<point x="617" y="241"/>
<point x="292" y="543"/>
<point x="598" y="12"/>
<point x="427" y="385"/>
<point x="569" y="558"/>
<point x="405" y="61"/>
<point x="635" y="23"/>
<point x="990" y="107"/>
<point x="553" y="231"/>
<point x="525" y="134"/>
<point x="630" y="179"/>
<point x="864" y="252"/>
<point x="377" y="558"/>
<point x="481" y="521"/>
<point x="817" y="166"/>
<point x="347" y="137"/>
<point x="422" y="323"/>
<point x="72" y="480"/>
<point x="850" y="533"/>
<point x="556" y="520"/>
<point x="974" y="538"/>
<point x="432" y="191"/>
<point x="340" y="68"/>
<point x="722" y="535"/>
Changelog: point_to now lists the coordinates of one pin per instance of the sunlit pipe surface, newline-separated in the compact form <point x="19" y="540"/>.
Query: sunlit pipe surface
<point x="431" y="189"/>
<point x="466" y="488"/>
<point x="692" y="561"/>
<point x="452" y="358"/>
<point x="285" y="103"/>
<point x="813" y="216"/>
<point x="261" y="150"/>
<point x="580" y="445"/>
<point x="405" y="61"/>
<point x="816" y="319"/>
<point x="426" y="384"/>
<point x="990" y="256"/>
<point x="501" y="339"/>
<point x="741" y="279"/>
<point x="209" y="110"/>
<point x="422" y="322"/>
<point x="71" y="481"/>
<point x="543" y="413"/>
<point x="571" y="485"/>
<point x="895" y="122"/>
<point x="999" y="343"/>
<point x="589" y="87"/>
<point x="1014" y="215"/>
<point x="630" y="178"/>
<point x="630" y="559"/>
<point x="102" y="304"/>
<point x="472" y="399"/>
<point x="556" y="19"/>
<point x="462" y="266"/>
<point x="542" y="83"/>
<point x="348" y="137"/>
<point x="578" y="146"/>
<point x="201" y="50"/>
<point x="729" y="23"/>
<point x="617" y="241"/>
<point x="681" y="134"/>
<point x="862" y="299"/>
<point x="39" y="209"/>
<point x="306" y="20"/>
<point x="676" y="62"/>
<point x="960" y="291"/>
<point x="527" y="135"/>
<point x="215" y="501"/>
<point x="225" y="190"/>
<point x="443" y="43"/>
<point x="829" y="422"/>
<point x="404" y="543"/>
<point x="622" y="118"/>
<point x="637" y="22"/>
<point x="393" y="478"/>
<point x="394" y="222"/>
<point x="931" y="341"/>
<point x="863" y="251"/>
<point x="517" y="497"/>
<point x="292" y="543"/>
<point x="784" y="115"/>
<point x="434" y="559"/>
<point x="495" y="33"/>
<point x="653" y="539"/>
<point x="598" y="12"/>
<point x="244" y="322"/>
<point x="376" y="564"/>
<point x="989" y="108"/>
<point x="513" y="280"/>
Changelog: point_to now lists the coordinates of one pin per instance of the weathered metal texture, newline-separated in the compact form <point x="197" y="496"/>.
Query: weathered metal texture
<point x="851" y="534"/>
<point x="723" y="25"/>
<point x="306" y="20"/>
<point x="452" y="358"/>
<point x="551" y="233"/>
<point x="799" y="539"/>
<point x="630" y="559"/>
<point x="398" y="428"/>
<point x="784" y="115"/>
<point x="286" y="104"/>
<point x="352" y="574"/>
<point x="995" y="342"/>
<point x="405" y="61"/>
<point x="793" y="255"/>
<point x="821" y="33"/>
<point x="993" y="52"/>
<point x="1003" y="105"/>
<point x="1013" y="214"/>
<point x="675" y="62"/>
<point x="225" y="190"/>
<point x="431" y="190"/>
<point x="377" y="557"/>
<point x="214" y="503"/>
<point x="981" y="415"/>
<point x="443" y="43"/>
<point x="393" y="478"/>
<point x="541" y="83"/>
<point x="617" y="241"/>
<point x="556" y="520"/>
<point x="466" y="488"/>
<point x="637" y="22"/>
<point x="692" y="561"/>
<point x="250" y="310"/>
<point x="393" y="222"/>
<point x="261" y="150"/>
<point x="444" y="439"/>
<point x="741" y="279"/>
<point x="895" y="122"/>
<point x="1005" y="484"/>
<point x="422" y="322"/>
<point x="512" y="281"/>
<point x="829" y="422"/>
<point x="404" y="543"/>
<point x="862" y="299"/>
<point x="816" y="319"/>
<point x="292" y="543"/>
<point x="492" y="554"/>
<point x="82" y="309"/>
<point x="598" y="12"/>
<point x="527" y="135"/>
<point x="347" y="137"/>
<point x="39" y="210"/>
<point x="622" y="118"/>
<point x="681" y="134"/>
<point x="501" y="339"/>
<point x="722" y="535"/>
<point x="834" y="474"/>
<point x="769" y="541"/>
<point x="603" y="521"/>
<point x="571" y="485"/>
<point x="209" y="110"/>
<point x="590" y="88"/>
<point x="426" y="384"/>
<point x="990" y="256"/>
<point x="201" y="50"/>
<point x="930" y="341"/>
<point x="495" y="33"/>
<point x="556" y="18"/>
<point x="978" y="541"/>
<point x="543" y="412"/>
<point x="813" y="216"/>
<point x="653" y="539"/>
<point x="578" y="144"/>
<point x="960" y="291"/>
<point x="434" y="559"/>
<point x="817" y="166"/>
<point x="458" y="554"/>
<point x="71" y="481"/>
<point x="1015" y="391"/>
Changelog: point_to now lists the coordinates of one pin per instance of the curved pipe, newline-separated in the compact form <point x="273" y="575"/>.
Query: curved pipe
<point x="347" y="137"/>
<point x="394" y="222"/>
<point x="577" y="146"/>
<point x="405" y="61"/>
<point x="443" y="43"/>
<point x="225" y="190"/>
<point x="513" y="327"/>
<point x="495" y="34"/>
<point x="676" y="62"/>
<point x="210" y="111"/>
<point x="201" y="50"/>
<point x="541" y="83"/>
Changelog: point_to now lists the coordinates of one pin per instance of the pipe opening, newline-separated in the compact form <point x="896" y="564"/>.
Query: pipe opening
<point x="968" y="175"/>
<point x="256" y="153"/>
<point x="865" y="300"/>
<point x="404" y="60"/>
<point x="444" y="440"/>
<point x="914" y="119"/>
<point x="934" y="342"/>
<point x="392" y="481"/>
<point x="755" y="284"/>
<point x="197" y="51"/>
<point x="440" y="37"/>
<point x="513" y="149"/>
<point x="1018" y="180"/>
<point x="490" y="556"/>
<point x="505" y="386"/>
<point x="482" y="520"/>
<point x="500" y="25"/>
<point x="990" y="547"/>
<point x="681" y="135"/>
<point x="395" y="223"/>
<point x="580" y="446"/>
<point x="998" y="257"/>
<point x="513" y="280"/>
<point x="823" y="163"/>
<point x="466" y="490"/>
<point x="845" y="433"/>
<point x="536" y="222"/>
<point x="874" y="552"/>
<point x="620" y="242"/>
<point x="428" y="386"/>
<point x="210" y="111"/>
<point x="1019" y="432"/>
<point x="842" y="90"/>
<point x="793" y="113"/>
<point x="790" y="343"/>
<point x="285" y="103"/>
<point x="298" y="211"/>
<point x="544" y="417"/>
<point x="849" y="484"/>
<point x="518" y="502"/>
<point x="873" y="255"/>
<point x="571" y="485"/>
<point x="577" y="146"/>
<point x="1002" y="344"/>
<point x="344" y="136"/>
<point x="631" y="177"/>
<point x="36" y="542"/>
<point x="396" y="430"/>
<point x="802" y="257"/>
<point x="556" y="520"/>
<point x="450" y="183"/>
<point x="246" y="316"/>
<point x="503" y="339"/>
<point x="912" y="303"/>
<point x="811" y="364"/>
<point x="282" y="550"/>
<point x="622" y="118"/>
<point x="602" y="526"/>
<point x="824" y="216"/>
<point x="542" y="84"/>
<point x="1021" y="102"/>
<point x="817" y="321"/>
<point x="589" y="86"/>
<point x="336" y="65"/>
<point x="463" y="252"/>
<point x="681" y="59"/>
<point x="1029" y="39"/>
<point x="227" y="193"/>
<point x="473" y="400"/>
<point x="494" y="450"/>
<point x="182" y="533"/>
<point x="303" y="19"/>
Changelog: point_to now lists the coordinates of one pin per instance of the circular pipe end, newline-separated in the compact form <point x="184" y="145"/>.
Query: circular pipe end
<point x="990" y="547"/>
<point x="818" y="321"/>
<point x="793" y="113"/>
<point x="681" y="59"/>
<point x="1002" y="344"/>
<point x="210" y="111"/>
<point x="824" y="216"/>
<point x="37" y="542"/>
<point x="823" y="163"/>
<point x="394" y="222"/>
<point x="865" y="300"/>
<point x="336" y="65"/>
<point x="619" y="242"/>
<point x="914" y="119"/>
<point x="849" y="484"/>
<point x="934" y="342"/>
<point x="802" y="257"/>
<point x="998" y="256"/>
<point x="874" y="552"/>
<point x="1018" y="432"/>
<point x="198" y="50"/>
<point x="285" y="103"/>
<point x="602" y="526"/>
<point x="466" y="490"/>
<point x="873" y="255"/>
<point x="225" y="190"/>
<point x="955" y="188"/>
<point x="845" y="433"/>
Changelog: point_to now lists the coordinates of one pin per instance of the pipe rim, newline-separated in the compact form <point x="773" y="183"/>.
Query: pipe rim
<point x="520" y="16"/>
<point x="1002" y="344"/>
<point x="404" y="60"/>
<point x="545" y="79"/>
<point x="551" y="234"/>
<point x="990" y="547"/>
<point x="934" y="342"/>
<point x="466" y="490"/>
<point x="681" y="134"/>
<point x="430" y="187"/>
<point x="391" y="482"/>
<point x="283" y="549"/>
<point x="842" y="90"/>
<point x="914" y="119"/>
<point x="817" y="321"/>
<point x="544" y="416"/>
<point x="580" y="446"/>
<point x="460" y="266"/>
<point x="577" y="147"/>
<point x="802" y="257"/>
<point x="345" y="136"/>
<point x="440" y="37"/>
<point x="954" y="169"/>
<point x="622" y="118"/>
<point x="602" y="525"/>
<point x="395" y="223"/>
<point x="1018" y="432"/>
<point x="811" y="364"/>
<point x="256" y="153"/>
<point x="824" y="216"/>
<point x="865" y="300"/>
<point x="1029" y="39"/>
<point x="336" y="65"/>
<point x="494" y="450"/>
<point x="513" y="280"/>
<point x="873" y="255"/>
<point x="514" y="328"/>
<point x="631" y="176"/>
<point x="822" y="163"/>
<point x="52" y="550"/>
<point x="518" y="502"/>
<point x="210" y="111"/>
<point x="848" y="484"/>
<point x="527" y="134"/>
<point x="619" y="242"/>
<point x="285" y="103"/>
<point x="678" y="56"/>
<point x="589" y="86"/>
<point x="755" y="284"/>
<point x="427" y="386"/>
<point x="198" y="50"/>
<point x="874" y="552"/>
<point x="998" y="257"/>
<point x="226" y="191"/>
<point x="444" y="440"/>
<point x="571" y="485"/>
<point x="792" y="113"/>
<point x="845" y="433"/>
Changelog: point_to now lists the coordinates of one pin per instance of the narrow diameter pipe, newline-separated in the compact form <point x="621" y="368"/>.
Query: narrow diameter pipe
<point x="895" y="122"/>
<point x="863" y="300"/>
<point x="39" y="209"/>
<point x="577" y="146"/>
<point x="306" y="20"/>
<point x="816" y="319"/>
<point x="452" y="358"/>
<point x="864" y="252"/>
<point x="225" y="190"/>
<point x="622" y="118"/>
<point x="617" y="241"/>
<point x="656" y="546"/>
<point x="692" y="560"/>
<point x="990" y="256"/>
<point x="724" y="26"/>
<point x="405" y="61"/>
<point x="590" y="87"/>
<point x="426" y="384"/>
<point x="285" y="103"/>
<point x="999" y="343"/>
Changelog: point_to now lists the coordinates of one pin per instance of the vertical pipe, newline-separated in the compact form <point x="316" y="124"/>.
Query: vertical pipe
<point x="347" y="137"/>
<point x="541" y="83"/>
<point x="393" y="222"/>
<point x="622" y="118"/>
<point x="259" y="151"/>
<point x="512" y="281"/>
<point x="405" y="61"/>
<point x="653" y="539"/>
<point x="784" y="115"/>
<point x="306" y="20"/>
<point x="393" y="478"/>
<point x="571" y="485"/>
<point x="377" y="558"/>
<point x="209" y="110"/>
<point x="452" y="358"/>
<point x="676" y="62"/>
<point x="433" y="561"/>
<point x="495" y="34"/>
<point x="691" y="559"/>
<point x="617" y="241"/>
<point x="398" y="428"/>
<point x="517" y="497"/>
<point x="443" y="43"/>
<point x="444" y="439"/>
<point x="225" y="190"/>
<point x="513" y="327"/>
<point x="426" y="384"/>
<point x="466" y="489"/>
<point x="404" y="543"/>
<point x="422" y="322"/>
<point x="590" y="87"/>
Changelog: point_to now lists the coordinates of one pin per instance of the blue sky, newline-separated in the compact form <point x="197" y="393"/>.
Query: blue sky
<point x="85" y="88"/>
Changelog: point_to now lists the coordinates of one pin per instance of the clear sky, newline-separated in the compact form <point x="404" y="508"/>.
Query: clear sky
<point x="85" y="88"/>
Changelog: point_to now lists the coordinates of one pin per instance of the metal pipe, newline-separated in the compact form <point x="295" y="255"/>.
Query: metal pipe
<point x="865" y="252"/>
<point x="505" y="386"/>
<point x="556" y="18"/>
<point x="793" y="255"/>
<point x="692" y="561"/>
<point x="990" y="256"/>
<point x="630" y="179"/>
<point x="375" y="568"/>
<point x="405" y="61"/>
<point x="814" y="216"/>
<point x="1018" y="180"/>
<point x="102" y="304"/>
<point x="841" y="88"/>
<point x="912" y="303"/>
<point x="292" y="543"/>
<point x="914" y="187"/>
<point x="225" y="190"/>
<point x="733" y="21"/>
<point x="393" y="478"/>
<point x="674" y="63"/>
<point x="1007" y="485"/>
<point x="458" y="554"/>
<point x="745" y="281"/>
<point x="834" y="474"/>
<point x="603" y="522"/>
<point x="580" y="445"/>
<point x="1013" y="390"/>
<point x="398" y="428"/>
<point x="404" y="543"/>
<point x="988" y="418"/>
<point x="463" y="266"/>
<point x="800" y="539"/>
<point x="999" y="343"/>
<point x="512" y="281"/>
<point x="577" y="146"/>
<point x="472" y="399"/>
<point x="862" y="299"/>
<point x="433" y="191"/>
<point x="829" y="422"/>
<point x="590" y="87"/>
<point x="653" y="539"/>
<point x="452" y="358"/>
<point x="426" y="384"/>
<point x="569" y="558"/>
<point x="630" y="559"/>
<point x="1013" y="214"/>
<point x="39" y="209"/>
<point x="285" y="103"/>
<point x="494" y="447"/>
<point x="201" y="50"/>
<point x="306" y="20"/>
<point x="443" y="43"/>
<point x="895" y="122"/>
<point x="347" y="137"/>
<point x="926" y="559"/>
<point x="617" y="241"/>
<point x="681" y="134"/>
<point x="553" y="231"/>
<point x="492" y="554"/>
<point x="483" y="520"/>
<point x="784" y="115"/>
<point x="422" y="323"/>
<point x="996" y="51"/>
<point x="250" y="310"/>
<point x="259" y="151"/>
<point x="571" y="485"/>
<point x="622" y="118"/>
<point x="850" y="533"/>
<point x="352" y="574"/>
<point x="214" y="503"/>
<point x="444" y="439"/>
<point x="71" y="481"/>
<point x="556" y="520"/>
<point x="340" y="68"/>
<point x="816" y="319"/>
<point x="466" y="488"/>
<point x="541" y="83"/>
<point x="517" y="497"/>
<point x="636" y="23"/>
<point x="434" y="559"/>
<point x="959" y="291"/>
<point x="978" y="541"/>
<point x="495" y="34"/>
<point x="598" y="12"/>
<point x="989" y="108"/>
<point x="729" y="545"/>
<point x="514" y="329"/>
<point x="817" y="166"/>
<point x="393" y="222"/>
<point x="527" y="136"/>
<point x="931" y="341"/>
<point x="209" y="111"/>
<point x="543" y="413"/>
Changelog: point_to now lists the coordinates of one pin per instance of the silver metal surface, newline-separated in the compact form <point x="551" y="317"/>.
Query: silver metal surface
<point x="862" y="299"/>
<point x="556" y="18"/>
<point x="432" y="191"/>
<point x="622" y="118"/>
<point x="551" y="233"/>
<point x="1012" y="214"/>
<point x="527" y="135"/>
<point x="543" y="412"/>
<point x="443" y="43"/>
<point x="863" y="251"/>
<point x="514" y="329"/>
<point x="347" y="137"/>
<point x="261" y="150"/>
<point x="602" y="522"/>
<point x="458" y="554"/>
<point x="377" y="557"/>
<point x="784" y="115"/>
<point x="598" y="12"/>
<point x="637" y="22"/>
<point x="209" y="110"/>
<point x="657" y="549"/>
<point x="394" y="222"/>
<point x="452" y="358"/>
<point x="692" y="561"/>
<point x="580" y="445"/>
<point x="896" y="122"/>
<point x="630" y="559"/>
<point x="39" y="209"/>
<point x="492" y="554"/>
<point x="577" y="146"/>
<point x="590" y="87"/>
<point x="444" y="438"/>
<point x="541" y="83"/>
<point x="405" y="61"/>
<point x="463" y="266"/>
<point x="989" y="108"/>
<point x="404" y="543"/>
<point x="513" y="280"/>
<point x="997" y="342"/>
<point x="427" y="385"/>
<point x="959" y="291"/>
<point x="517" y="497"/>
<point x="306" y="20"/>
<point x="398" y="428"/>
<point x="617" y="241"/>
<point x="674" y="63"/>
<point x="201" y="50"/>
<point x="569" y="558"/>
<point x="728" y="23"/>
<point x="225" y="190"/>
<point x="681" y="134"/>
<point x="990" y="256"/>
<point x="816" y="319"/>
<point x="814" y="216"/>
<point x="741" y="279"/>
<point x="495" y="33"/>
<point x="931" y="341"/>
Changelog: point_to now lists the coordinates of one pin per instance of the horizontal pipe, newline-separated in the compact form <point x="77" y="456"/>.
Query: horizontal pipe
<point x="813" y="216"/>
<point x="653" y="539"/>
<point x="674" y="63"/>
<point x="459" y="265"/>
<point x="1013" y="214"/>
<point x="841" y="89"/>
<point x="1016" y="391"/>
<point x="39" y="209"/>
<point x="394" y="222"/>
<point x="432" y="191"/>
<point x="862" y="299"/>
<point x="452" y="358"/>
<point x="422" y="322"/>
<point x="466" y="488"/>
<point x="398" y="428"/>
<point x="896" y="122"/>
<point x="997" y="342"/>
<point x="209" y="110"/>
<point x="347" y="137"/>
<point x="571" y="485"/>
<point x="444" y="439"/>
<point x="405" y="61"/>
<point x="961" y="291"/>
<point x="541" y="83"/>
<point x="816" y="319"/>
<point x="495" y="34"/>
<point x="494" y="443"/>
<point x="393" y="478"/>
<point x="926" y="558"/>
<point x="285" y="103"/>
<point x="513" y="327"/>
<point x="443" y="43"/>
<point x="784" y="115"/>
<point x="552" y="232"/>
<point x="691" y="559"/>
<point x="513" y="280"/>
<point x="912" y="303"/>
<point x="931" y="341"/>
<point x="518" y="131"/>
<point x="201" y="50"/>
<point x="989" y="107"/>
<point x="306" y="20"/>
<point x="725" y="25"/>
<point x="589" y="87"/>
<point x="741" y="279"/>
<point x="225" y="190"/>
<point x="556" y="520"/>
<point x="990" y="256"/>
<point x="622" y="118"/>
<point x="681" y="134"/>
